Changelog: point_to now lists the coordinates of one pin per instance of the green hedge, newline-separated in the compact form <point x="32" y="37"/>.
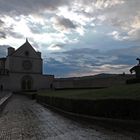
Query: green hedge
<point x="110" y="108"/>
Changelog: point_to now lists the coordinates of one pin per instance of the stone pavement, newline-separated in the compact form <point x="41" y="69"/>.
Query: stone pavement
<point x="3" y="93"/>
<point x="24" y="119"/>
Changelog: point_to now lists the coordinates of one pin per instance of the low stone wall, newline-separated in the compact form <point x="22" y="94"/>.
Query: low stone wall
<point x="4" y="100"/>
<point x="75" y="83"/>
<point x="108" y="108"/>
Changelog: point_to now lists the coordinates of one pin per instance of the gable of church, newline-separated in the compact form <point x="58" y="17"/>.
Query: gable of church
<point x="24" y="60"/>
<point x="26" y="50"/>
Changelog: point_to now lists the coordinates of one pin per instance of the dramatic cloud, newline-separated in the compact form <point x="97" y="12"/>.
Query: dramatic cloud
<point x="63" y="23"/>
<point x="26" y="7"/>
<point x="2" y="35"/>
<point x="55" y="47"/>
<point x="92" y="61"/>
<point x="75" y="37"/>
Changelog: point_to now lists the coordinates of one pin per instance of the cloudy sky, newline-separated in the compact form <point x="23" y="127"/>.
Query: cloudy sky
<point x="76" y="37"/>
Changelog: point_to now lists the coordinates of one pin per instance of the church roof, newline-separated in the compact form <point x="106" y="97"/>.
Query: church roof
<point x="24" y="48"/>
<point x="26" y="44"/>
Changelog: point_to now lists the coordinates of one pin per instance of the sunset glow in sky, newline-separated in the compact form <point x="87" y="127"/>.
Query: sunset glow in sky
<point x="76" y="37"/>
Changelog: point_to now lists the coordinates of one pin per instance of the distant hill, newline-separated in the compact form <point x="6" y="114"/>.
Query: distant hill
<point x="102" y="75"/>
<point x="98" y="76"/>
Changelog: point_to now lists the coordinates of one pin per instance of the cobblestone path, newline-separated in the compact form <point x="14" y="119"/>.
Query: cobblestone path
<point x="24" y="119"/>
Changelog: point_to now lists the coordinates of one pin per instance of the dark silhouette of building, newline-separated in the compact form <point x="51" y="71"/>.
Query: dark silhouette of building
<point x="21" y="69"/>
<point x="136" y="69"/>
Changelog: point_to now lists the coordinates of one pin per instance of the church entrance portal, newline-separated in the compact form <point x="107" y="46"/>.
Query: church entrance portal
<point x="27" y="83"/>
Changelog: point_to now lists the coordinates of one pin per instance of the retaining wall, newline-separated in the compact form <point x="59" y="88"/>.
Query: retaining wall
<point x="4" y="100"/>
<point x="108" y="108"/>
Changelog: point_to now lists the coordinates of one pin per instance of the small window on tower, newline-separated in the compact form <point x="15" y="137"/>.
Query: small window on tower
<point x="27" y="53"/>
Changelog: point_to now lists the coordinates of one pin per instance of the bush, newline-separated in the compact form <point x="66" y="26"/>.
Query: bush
<point x="133" y="81"/>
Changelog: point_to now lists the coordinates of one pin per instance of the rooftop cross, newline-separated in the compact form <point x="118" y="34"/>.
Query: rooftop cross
<point x="26" y="39"/>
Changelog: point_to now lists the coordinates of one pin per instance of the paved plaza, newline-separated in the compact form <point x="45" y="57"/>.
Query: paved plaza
<point x="24" y="119"/>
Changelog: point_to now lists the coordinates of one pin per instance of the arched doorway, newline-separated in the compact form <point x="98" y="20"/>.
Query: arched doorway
<point x="27" y="83"/>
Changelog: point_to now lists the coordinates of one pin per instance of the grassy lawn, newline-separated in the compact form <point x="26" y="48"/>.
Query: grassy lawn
<point x="124" y="91"/>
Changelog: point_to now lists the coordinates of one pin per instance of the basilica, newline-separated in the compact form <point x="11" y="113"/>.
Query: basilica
<point x="21" y="70"/>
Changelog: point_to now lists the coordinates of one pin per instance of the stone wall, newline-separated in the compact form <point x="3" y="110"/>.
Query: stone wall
<point x="13" y="81"/>
<point x="15" y="64"/>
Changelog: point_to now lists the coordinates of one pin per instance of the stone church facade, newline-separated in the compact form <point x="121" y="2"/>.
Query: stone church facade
<point x="22" y="70"/>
